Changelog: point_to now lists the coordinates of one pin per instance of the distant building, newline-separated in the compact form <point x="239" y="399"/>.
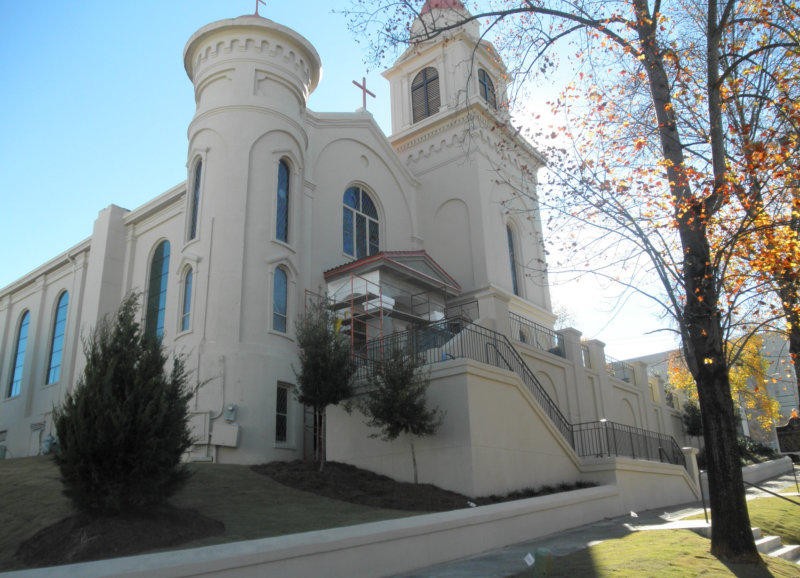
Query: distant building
<point x="781" y="384"/>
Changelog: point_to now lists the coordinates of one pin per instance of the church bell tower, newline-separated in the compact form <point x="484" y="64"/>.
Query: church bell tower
<point x="451" y="127"/>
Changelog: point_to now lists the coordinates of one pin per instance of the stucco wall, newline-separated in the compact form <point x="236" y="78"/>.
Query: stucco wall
<point x="494" y="437"/>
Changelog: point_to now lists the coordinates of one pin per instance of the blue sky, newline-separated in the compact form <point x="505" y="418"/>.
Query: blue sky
<point x="94" y="111"/>
<point x="95" y="106"/>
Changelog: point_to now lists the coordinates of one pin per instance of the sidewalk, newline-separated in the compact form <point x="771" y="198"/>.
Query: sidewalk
<point x="510" y="560"/>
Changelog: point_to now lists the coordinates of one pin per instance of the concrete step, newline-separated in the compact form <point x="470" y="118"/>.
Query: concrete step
<point x="768" y="544"/>
<point x="790" y="553"/>
<point x="705" y="531"/>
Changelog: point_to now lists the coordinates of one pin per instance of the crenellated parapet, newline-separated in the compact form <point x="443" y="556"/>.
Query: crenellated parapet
<point x="240" y="57"/>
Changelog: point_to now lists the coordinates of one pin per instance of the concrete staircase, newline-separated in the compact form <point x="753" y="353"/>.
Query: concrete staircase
<point x="769" y="545"/>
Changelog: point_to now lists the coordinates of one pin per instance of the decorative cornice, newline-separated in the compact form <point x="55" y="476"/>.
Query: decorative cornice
<point x="249" y="37"/>
<point x="473" y="122"/>
<point x="61" y="260"/>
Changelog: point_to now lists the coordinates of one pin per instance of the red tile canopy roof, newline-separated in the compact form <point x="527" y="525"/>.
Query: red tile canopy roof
<point x="417" y="264"/>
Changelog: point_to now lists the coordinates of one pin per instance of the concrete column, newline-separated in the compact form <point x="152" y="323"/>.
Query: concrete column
<point x="690" y="455"/>
<point x="577" y="383"/>
<point x="597" y="361"/>
<point x="105" y="267"/>
<point x="494" y="312"/>
<point x="645" y="397"/>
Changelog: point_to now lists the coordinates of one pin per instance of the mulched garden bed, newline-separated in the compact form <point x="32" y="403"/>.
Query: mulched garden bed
<point x="80" y="538"/>
<point x="351" y="484"/>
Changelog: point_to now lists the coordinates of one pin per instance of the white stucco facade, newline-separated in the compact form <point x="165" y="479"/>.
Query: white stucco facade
<point x="225" y="260"/>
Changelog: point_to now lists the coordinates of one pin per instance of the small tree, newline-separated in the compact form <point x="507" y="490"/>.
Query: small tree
<point x="692" y="420"/>
<point x="396" y="401"/>
<point x="325" y="367"/>
<point x="123" y="430"/>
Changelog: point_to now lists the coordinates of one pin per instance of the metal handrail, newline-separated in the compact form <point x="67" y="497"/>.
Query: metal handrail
<point x="763" y="489"/>
<point x="530" y="332"/>
<point x="450" y="339"/>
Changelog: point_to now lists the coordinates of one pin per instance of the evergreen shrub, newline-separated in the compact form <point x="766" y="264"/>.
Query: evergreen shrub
<point x="124" y="429"/>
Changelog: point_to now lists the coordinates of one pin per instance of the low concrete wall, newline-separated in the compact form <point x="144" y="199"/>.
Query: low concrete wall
<point x="757" y="472"/>
<point x="367" y="550"/>
<point x="643" y="485"/>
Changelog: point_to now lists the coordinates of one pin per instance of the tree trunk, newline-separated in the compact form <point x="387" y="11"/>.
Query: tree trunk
<point x="414" y="461"/>
<point x="321" y="443"/>
<point x="700" y="324"/>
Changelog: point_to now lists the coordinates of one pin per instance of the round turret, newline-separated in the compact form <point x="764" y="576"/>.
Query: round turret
<point x="251" y="61"/>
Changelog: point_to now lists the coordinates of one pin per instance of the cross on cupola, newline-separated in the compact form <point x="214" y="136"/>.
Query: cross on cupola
<point x="364" y="92"/>
<point x="259" y="2"/>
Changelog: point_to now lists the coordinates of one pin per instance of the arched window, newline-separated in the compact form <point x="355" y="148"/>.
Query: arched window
<point x="487" y="88"/>
<point x="157" y="292"/>
<point x="512" y="256"/>
<point x="282" y="212"/>
<point x="186" y="307"/>
<point x="360" y="230"/>
<point x="57" y="339"/>
<point x="279" y="298"/>
<point x="195" y="201"/>
<point x="425" y="99"/>
<point x="15" y="384"/>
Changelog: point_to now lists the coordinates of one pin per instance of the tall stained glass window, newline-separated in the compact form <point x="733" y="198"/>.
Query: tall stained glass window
<point x="57" y="339"/>
<point x="157" y="292"/>
<point x="15" y="385"/>
<point x="360" y="225"/>
<point x="282" y="214"/>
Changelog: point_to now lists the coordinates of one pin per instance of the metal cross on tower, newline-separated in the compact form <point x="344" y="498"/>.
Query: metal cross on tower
<point x="260" y="2"/>
<point x="364" y="92"/>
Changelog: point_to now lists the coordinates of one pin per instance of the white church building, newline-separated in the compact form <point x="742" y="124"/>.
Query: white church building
<point x="430" y="235"/>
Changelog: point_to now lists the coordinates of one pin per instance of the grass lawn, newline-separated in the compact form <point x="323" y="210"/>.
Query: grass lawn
<point x="775" y="517"/>
<point x="659" y="553"/>
<point x="249" y="504"/>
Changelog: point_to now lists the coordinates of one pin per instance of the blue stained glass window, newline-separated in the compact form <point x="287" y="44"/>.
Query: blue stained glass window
<point x="198" y="171"/>
<point x="373" y="237"/>
<point x="157" y="292"/>
<point x="347" y="231"/>
<point x="368" y="207"/>
<point x="57" y="341"/>
<point x="360" y="224"/>
<point x="15" y="384"/>
<point x="352" y="198"/>
<point x="279" y="293"/>
<point x="186" y="310"/>
<point x="361" y="236"/>
<point x="282" y="217"/>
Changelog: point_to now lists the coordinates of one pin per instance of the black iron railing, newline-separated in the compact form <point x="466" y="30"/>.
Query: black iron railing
<point x="539" y="336"/>
<point x="619" y="369"/>
<point x="454" y="338"/>
<point x="608" y="438"/>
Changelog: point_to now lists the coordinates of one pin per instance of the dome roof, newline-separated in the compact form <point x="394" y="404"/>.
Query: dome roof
<point x="442" y="5"/>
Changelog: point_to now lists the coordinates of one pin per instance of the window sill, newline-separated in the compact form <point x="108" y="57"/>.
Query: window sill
<point x="284" y="446"/>
<point x="190" y="242"/>
<point x="285" y="245"/>
<point x="280" y="334"/>
<point x="183" y="333"/>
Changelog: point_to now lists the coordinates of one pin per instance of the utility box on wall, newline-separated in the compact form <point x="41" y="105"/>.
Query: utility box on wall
<point x="225" y="434"/>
